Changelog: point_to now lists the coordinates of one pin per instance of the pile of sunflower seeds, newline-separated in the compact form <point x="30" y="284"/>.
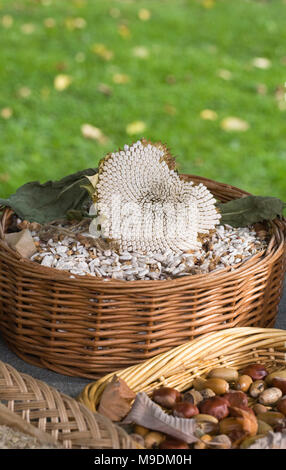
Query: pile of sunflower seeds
<point x="12" y="439"/>
<point x="226" y="246"/>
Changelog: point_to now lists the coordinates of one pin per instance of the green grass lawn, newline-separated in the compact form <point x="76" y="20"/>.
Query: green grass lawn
<point x="176" y="58"/>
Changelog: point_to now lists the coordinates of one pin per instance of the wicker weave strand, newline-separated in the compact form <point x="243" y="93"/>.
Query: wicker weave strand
<point x="89" y="327"/>
<point x="66" y="420"/>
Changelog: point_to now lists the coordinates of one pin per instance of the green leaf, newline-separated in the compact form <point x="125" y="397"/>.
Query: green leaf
<point x="250" y="209"/>
<point x="52" y="200"/>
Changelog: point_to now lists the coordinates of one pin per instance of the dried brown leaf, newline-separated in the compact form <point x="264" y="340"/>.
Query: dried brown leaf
<point x="116" y="399"/>
<point x="247" y="419"/>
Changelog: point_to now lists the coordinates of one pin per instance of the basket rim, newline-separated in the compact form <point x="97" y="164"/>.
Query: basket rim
<point x="272" y="252"/>
<point x="144" y="373"/>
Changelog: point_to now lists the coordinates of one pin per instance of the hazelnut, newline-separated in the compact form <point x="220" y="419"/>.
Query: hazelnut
<point x="215" y="406"/>
<point x="236" y="398"/>
<point x="166" y="397"/>
<point x="256" y="388"/>
<point x="218" y="386"/>
<point x="243" y="383"/>
<point x="270" y="396"/>
<point x="255" y="371"/>
<point x="185" y="409"/>
<point x="172" y="443"/>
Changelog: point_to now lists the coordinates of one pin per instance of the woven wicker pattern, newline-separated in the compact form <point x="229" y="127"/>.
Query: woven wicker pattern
<point x="88" y="327"/>
<point x="70" y="423"/>
<point x="178" y="367"/>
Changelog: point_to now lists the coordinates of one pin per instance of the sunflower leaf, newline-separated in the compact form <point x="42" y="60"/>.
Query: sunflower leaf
<point x="52" y="200"/>
<point x="248" y="210"/>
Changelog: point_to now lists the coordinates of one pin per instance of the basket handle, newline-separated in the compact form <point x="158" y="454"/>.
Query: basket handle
<point x="4" y="221"/>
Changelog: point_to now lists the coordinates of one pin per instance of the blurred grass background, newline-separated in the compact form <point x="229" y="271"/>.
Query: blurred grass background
<point x="169" y="70"/>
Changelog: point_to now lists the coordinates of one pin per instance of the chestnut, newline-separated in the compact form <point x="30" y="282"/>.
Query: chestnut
<point x="172" y="443"/>
<point x="281" y="405"/>
<point x="279" y="383"/>
<point x="185" y="409"/>
<point x="255" y="371"/>
<point x="236" y="398"/>
<point x="166" y="397"/>
<point x="215" y="406"/>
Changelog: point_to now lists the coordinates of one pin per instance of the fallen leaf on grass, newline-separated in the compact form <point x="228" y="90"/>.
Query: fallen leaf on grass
<point x="49" y="23"/>
<point x="208" y="3"/>
<point x="224" y="74"/>
<point x="7" y="21"/>
<point x="4" y="177"/>
<point x="120" y="78"/>
<point x="104" y="89"/>
<point x="261" y="89"/>
<point x="235" y="124"/>
<point x="144" y="14"/>
<point x="136" y="127"/>
<point x="102" y="51"/>
<point x="24" y="92"/>
<point x="208" y="114"/>
<point x="61" y="82"/>
<point x="6" y="113"/>
<point x="171" y="79"/>
<point x="261" y="63"/>
<point x="124" y="31"/>
<point x="170" y="109"/>
<point x="114" y="12"/>
<point x="45" y="93"/>
<point x="141" y="52"/>
<point x="75" y="23"/>
<point x="80" y="57"/>
<point x="28" y="28"/>
<point x="90" y="132"/>
<point x="280" y="96"/>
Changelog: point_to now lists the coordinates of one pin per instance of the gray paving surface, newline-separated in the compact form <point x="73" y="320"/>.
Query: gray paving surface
<point x="71" y="385"/>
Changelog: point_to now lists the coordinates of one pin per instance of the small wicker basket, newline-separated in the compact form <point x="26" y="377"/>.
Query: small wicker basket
<point x="42" y="411"/>
<point x="180" y="366"/>
<point x="88" y="327"/>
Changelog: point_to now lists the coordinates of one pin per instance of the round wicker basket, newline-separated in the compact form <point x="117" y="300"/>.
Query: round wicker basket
<point x="88" y="327"/>
<point x="45" y="413"/>
<point x="178" y="367"/>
